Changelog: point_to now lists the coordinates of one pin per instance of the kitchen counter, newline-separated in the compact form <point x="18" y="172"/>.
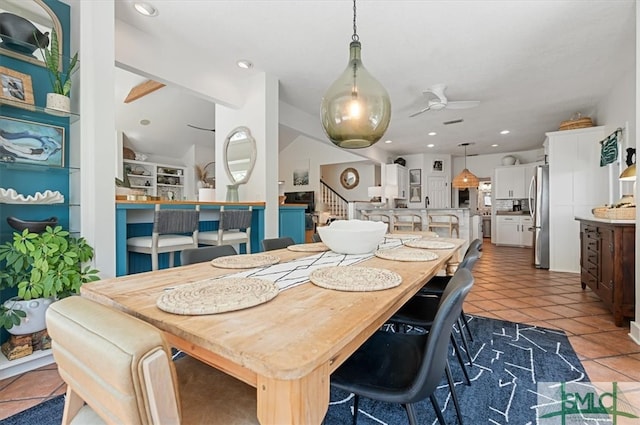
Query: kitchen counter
<point x="604" y="220"/>
<point x="512" y="213"/>
<point x="135" y="218"/>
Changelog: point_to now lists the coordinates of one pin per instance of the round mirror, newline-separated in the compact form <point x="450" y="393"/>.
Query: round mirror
<point x="349" y="178"/>
<point x="239" y="155"/>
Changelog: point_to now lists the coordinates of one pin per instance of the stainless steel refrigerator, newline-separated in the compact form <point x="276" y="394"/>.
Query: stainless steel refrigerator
<point x="539" y="210"/>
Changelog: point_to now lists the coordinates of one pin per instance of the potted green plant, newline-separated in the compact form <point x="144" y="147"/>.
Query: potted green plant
<point x="59" y="76"/>
<point x="43" y="267"/>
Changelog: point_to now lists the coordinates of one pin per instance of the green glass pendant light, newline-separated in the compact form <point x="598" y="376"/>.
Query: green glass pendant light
<point x="356" y="109"/>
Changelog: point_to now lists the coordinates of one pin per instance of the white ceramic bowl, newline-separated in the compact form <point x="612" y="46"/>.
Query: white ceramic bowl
<point x="353" y="236"/>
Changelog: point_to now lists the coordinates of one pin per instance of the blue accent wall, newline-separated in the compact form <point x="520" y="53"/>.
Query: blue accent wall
<point x="25" y="178"/>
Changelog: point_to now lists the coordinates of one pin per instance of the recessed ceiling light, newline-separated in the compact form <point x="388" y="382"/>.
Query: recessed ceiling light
<point x="504" y="132"/>
<point x="244" y="64"/>
<point x="433" y="133"/>
<point x="145" y="9"/>
<point x="495" y="145"/>
<point x="388" y="141"/>
<point x="430" y="145"/>
<point x="145" y="122"/>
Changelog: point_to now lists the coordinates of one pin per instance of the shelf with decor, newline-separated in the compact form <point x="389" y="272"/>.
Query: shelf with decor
<point x="165" y="181"/>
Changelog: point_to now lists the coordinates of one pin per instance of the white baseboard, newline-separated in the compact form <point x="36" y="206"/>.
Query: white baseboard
<point x="635" y="332"/>
<point x="9" y="368"/>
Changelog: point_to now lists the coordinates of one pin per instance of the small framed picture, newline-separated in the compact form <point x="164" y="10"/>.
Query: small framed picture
<point x="415" y="176"/>
<point x="31" y="142"/>
<point x="437" y="165"/>
<point x="17" y="89"/>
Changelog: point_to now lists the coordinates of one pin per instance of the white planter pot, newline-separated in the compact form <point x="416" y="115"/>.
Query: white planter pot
<point x="35" y="309"/>
<point x="206" y="194"/>
<point x="58" y="102"/>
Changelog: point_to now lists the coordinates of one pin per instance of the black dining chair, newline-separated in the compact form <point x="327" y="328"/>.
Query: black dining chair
<point x="316" y="237"/>
<point x="437" y="284"/>
<point x="407" y="368"/>
<point x="421" y="309"/>
<point x="277" y="243"/>
<point x="205" y="253"/>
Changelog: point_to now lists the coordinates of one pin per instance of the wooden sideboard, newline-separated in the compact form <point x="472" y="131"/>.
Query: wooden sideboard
<point x="607" y="263"/>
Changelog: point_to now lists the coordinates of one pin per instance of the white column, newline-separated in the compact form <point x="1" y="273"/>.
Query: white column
<point x="260" y="114"/>
<point x="93" y="36"/>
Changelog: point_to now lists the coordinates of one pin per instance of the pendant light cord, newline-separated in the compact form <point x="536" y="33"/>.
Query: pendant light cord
<point x="354" y="37"/>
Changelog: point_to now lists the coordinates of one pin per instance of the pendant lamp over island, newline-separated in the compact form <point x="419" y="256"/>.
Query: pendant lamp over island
<point x="466" y="178"/>
<point x="356" y="109"/>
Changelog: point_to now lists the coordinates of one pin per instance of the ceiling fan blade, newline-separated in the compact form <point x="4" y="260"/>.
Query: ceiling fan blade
<point x="423" y="110"/>
<point x="201" y="128"/>
<point x="463" y="104"/>
<point x="438" y="91"/>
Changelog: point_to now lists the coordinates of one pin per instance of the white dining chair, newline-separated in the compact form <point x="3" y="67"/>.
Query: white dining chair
<point x="234" y="228"/>
<point x="173" y="230"/>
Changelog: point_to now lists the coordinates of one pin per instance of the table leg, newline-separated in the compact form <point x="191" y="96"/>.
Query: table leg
<point x="301" y="401"/>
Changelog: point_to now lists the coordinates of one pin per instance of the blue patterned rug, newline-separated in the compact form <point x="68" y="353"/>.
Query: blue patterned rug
<point x="510" y="359"/>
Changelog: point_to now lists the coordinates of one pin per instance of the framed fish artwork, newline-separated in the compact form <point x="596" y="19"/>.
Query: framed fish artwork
<point x="31" y="142"/>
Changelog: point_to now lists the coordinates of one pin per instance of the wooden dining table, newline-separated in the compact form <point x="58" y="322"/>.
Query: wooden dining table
<point x="286" y="348"/>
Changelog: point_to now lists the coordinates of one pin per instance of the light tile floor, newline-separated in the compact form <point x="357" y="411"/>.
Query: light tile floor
<point x="507" y="287"/>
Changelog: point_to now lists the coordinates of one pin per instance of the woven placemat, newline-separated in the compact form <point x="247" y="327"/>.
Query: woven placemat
<point x="244" y="261"/>
<point x="429" y="244"/>
<point x="309" y="247"/>
<point x="401" y="236"/>
<point x="354" y="278"/>
<point x="406" y="254"/>
<point x="212" y="296"/>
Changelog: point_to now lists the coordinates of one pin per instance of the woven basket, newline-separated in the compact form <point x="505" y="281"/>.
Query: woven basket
<point x="576" y="123"/>
<point x="615" y="213"/>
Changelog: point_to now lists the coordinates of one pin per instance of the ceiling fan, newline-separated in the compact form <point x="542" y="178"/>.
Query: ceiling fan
<point x="201" y="128"/>
<point x="436" y="101"/>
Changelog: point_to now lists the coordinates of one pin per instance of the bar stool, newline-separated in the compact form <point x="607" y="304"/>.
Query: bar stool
<point x="168" y="235"/>
<point x="411" y="222"/>
<point x="449" y="221"/>
<point x="375" y="216"/>
<point x="234" y="227"/>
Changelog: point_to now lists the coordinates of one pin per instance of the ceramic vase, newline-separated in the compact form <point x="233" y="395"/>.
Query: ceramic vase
<point x="35" y="319"/>
<point x="58" y="102"/>
<point x="232" y="193"/>
<point x="206" y="194"/>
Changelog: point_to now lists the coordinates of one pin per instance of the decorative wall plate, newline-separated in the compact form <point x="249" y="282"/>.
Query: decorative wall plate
<point x="309" y="247"/>
<point x="430" y="244"/>
<point x="244" y="261"/>
<point x="212" y="296"/>
<point x="406" y="254"/>
<point x="354" y="278"/>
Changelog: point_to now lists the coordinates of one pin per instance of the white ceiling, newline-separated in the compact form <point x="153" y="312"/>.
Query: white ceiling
<point x="532" y="64"/>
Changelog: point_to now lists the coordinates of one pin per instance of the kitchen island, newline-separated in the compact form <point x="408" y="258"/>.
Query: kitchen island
<point x="135" y="218"/>
<point x="468" y="230"/>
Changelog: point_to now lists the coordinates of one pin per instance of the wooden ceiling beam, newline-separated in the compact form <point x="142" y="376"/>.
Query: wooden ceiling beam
<point x="143" y="89"/>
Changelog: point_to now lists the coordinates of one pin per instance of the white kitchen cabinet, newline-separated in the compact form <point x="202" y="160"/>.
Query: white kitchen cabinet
<point x="397" y="175"/>
<point x="509" y="183"/>
<point x="514" y="230"/>
<point x="165" y="181"/>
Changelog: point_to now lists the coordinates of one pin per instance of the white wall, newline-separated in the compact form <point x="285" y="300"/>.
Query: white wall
<point x="305" y="150"/>
<point x="617" y="111"/>
<point x="483" y="165"/>
<point x="330" y="174"/>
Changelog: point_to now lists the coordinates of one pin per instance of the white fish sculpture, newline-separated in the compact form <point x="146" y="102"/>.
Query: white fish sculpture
<point x="11" y="196"/>
<point x="28" y="146"/>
